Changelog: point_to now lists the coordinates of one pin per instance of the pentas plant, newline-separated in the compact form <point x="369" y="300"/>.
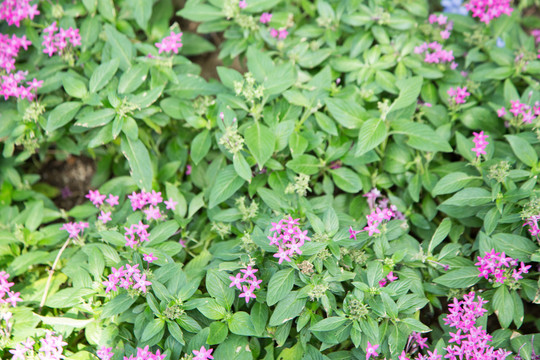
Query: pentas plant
<point x="496" y="266"/>
<point x="105" y="353"/>
<point x="15" y="11"/>
<point x="247" y="276"/>
<point x="522" y="114"/>
<point x="8" y="300"/>
<point x="487" y="10"/>
<point x="50" y="347"/>
<point x="288" y="237"/>
<point x="57" y="40"/>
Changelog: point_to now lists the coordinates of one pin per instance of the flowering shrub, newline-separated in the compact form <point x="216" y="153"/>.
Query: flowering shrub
<point x="346" y="173"/>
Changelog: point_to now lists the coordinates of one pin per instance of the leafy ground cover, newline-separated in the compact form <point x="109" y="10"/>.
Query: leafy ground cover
<point x="354" y="180"/>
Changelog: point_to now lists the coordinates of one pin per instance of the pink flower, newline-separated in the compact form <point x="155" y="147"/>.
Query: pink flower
<point x="501" y="112"/>
<point x="105" y="217"/>
<point x="170" y="43"/>
<point x="237" y="281"/>
<point x="141" y="282"/>
<point x="95" y="197"/>
<point x="149" y="257"/>
<point x="283" y="34"/>
<point x="371" y="350"/>
<point x="203" y="354"/>
<point x="480" y="143"/>
<point x="74" y="229"/>
<point x="353" y="233"/>
<point x="274" y="33"/>
<point x="56" y="42"/>
<point x="105" y="353"/>
<point x="152" y="213"/>
<point x="382" y="283"/>
<point x="242" y="4"/>
<point x="391" y="276"/>
<point x="458" y="96"/>
<point x="248" y="293"/>
<point x="265" y="18"/>
<point x="112" y="200"/>
<point x="14" y="11"/>
<point x="488" y="10"/>
<point x="188" y="169"/>
<point x="170" y="204"/>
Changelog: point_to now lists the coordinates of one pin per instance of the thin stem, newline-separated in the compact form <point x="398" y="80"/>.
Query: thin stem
<point x="51" y="272"/>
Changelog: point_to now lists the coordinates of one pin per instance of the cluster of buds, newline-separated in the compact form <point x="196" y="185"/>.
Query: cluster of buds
<point x="51" y="348"/>
<point x="74" y="228"/>
<point x="128" y="278"/>
<point x="106" y="353"/>
<point x="434" y="54"/>
<point x="498" y="266"/>
<point x="14" y="11"/>
<point x="380" y="212"/>
<point x="56" y="42"/>
<point x="288" y="237"/>
<point x="480" y="143"/>
<point x="522" y="111"/>
<point x="458" y="95"/>
<point x="170" y="43"/>
<point x="246" y="275"/>
<point x="442" y="21"/>
<point x="488" y="10"/>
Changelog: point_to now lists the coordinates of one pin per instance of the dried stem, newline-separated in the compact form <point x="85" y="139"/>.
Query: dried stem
<point x="51" y="272"/>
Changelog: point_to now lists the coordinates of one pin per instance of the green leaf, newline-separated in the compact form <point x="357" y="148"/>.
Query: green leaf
<point x="346" y="112"/>
<point x="515" y="246"/>
<point x="329" y="324"/>
<point x="143" y="12"/>
<point x="471" y="196"/>
<point x="142" y="170"/>
<point x="152" y="329"/>
<point x="415" y="325"/>
<point x="62" y="114"/>
<point x="121" y="47"/>
<point x="421" y="136"/>
<point x="219" y="289"/>
<point x="96" y="118"/>
<point x="176" y="332"/>
<point x="176" y="195"/>
<point x="200" y="146"/>
<point x="225" y="185"/>
<point x="74" y="87"/>
<point x="240" y="324"/>
<point x="64" y="321"/>
<point x="280" y="285"/>
<point x="201" y="13"/>
<point x="261" y="141"/>
<point x="440" y="234"/>
<point x="305" y="164"/>
<point x="409" y="91"/>
<point x="459" y="279"/>
<point x="117" y="305"/>
<point x="211" y="309"/>
<point x="347" y="180"/>
<point x="259" y="317"/>
<point x="503" y="304"/>
<point x="242" y="167"/>
<point x="451" y="183"/>
<point x="102" y="75"/>
<point x="132" y="79"/>
<point x="372" y="133"/>
<point x="523" y="150"/>
<point x="287" y="309"/>
<point x="218" y="333"/>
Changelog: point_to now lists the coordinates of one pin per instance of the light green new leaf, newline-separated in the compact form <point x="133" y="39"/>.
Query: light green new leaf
<point x="409" y="91"/>
<point x="346" y="112"/>
<point x="121" y="47"/>
<point x="132" y="79"/>
<point x="305" y="164"/>
<point x="372" y="133"/>
<point x="261" y="141"/>
<point x="242" y="167"/>
<point x="241" y="324"/>
<point x="200" y="146"/>
<point x="440" y="234"/>
<point x="421" y="136"/>
<point x="152" y="329"/>
<point x="139" y="162"/>
<point x="287" y="309"/>
<point x="225" y="185"/>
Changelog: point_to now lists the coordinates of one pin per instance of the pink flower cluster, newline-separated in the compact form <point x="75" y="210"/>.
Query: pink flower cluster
<point x="371" y="350"/>
<point x="498" y="266"/>
<point x="480" y="143"/>
<point x="390" y="277"/>
<point x="242" y="4"/>
<point x="14" y="11"/>
<point x="74" y="229"/>
<point x="246" y="275"/>
<point x="379" y="212"/>
<point x="458" y="95"/>
<point x="280" y="34"/>
<point x="98" y="200"/>
<point x="470" y="341"/>
<point x="140" y="200"/>
<point x="170" y="43"/>
<point x="131" y="276"/>
<point x="442" y="20"/>
<point x="288" y="237"/>
<point x="106" y="353"/>
<point x="521" y="110"/>
<point x="9" y="50"/>
<point x="434" y="53"/>
<point x="265" y="18"/>
<point x="488" y="10"/>
<point x="203" y="354"/>
<point x="10" y="86"/>
<point x="12" y="297"/>
<point x="534" y="229"/>
<point x="51" y="348"/>
<point x="57" y="42"/>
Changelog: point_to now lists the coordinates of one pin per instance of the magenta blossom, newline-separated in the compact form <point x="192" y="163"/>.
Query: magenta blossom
<point x="150" y="258"/>
<point x="498" y="266"/>
<point x="371" y="350"/>
<point x="488" y="10"/>
<point x="288" y="238"/>
<point x="56" y="42"/>
<point x="480" y="143"/>
<point x="203" y="354"/>
<point x="170" y="43"/>
<point x="14" y="11"/>
<point x="265" y="18"/>
<point x="249" y="278"/>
